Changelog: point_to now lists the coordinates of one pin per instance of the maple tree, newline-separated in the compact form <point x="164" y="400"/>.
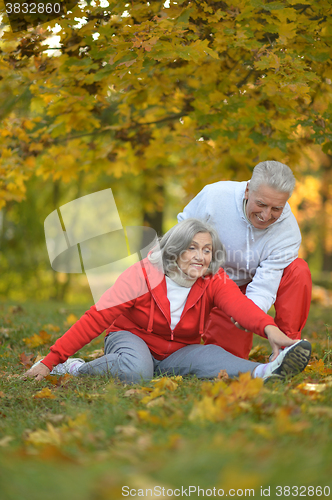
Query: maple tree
<point x="187" y="89"/>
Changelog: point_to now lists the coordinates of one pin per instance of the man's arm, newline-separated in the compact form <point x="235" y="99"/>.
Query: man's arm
<point x="198" y="207"/>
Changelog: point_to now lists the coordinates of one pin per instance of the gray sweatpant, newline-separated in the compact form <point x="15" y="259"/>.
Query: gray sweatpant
<point x="127" y="357"/>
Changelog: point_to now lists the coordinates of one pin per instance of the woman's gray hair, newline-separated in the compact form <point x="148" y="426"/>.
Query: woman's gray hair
<point x="273" y="174"/>
<point x="178" y="239"/>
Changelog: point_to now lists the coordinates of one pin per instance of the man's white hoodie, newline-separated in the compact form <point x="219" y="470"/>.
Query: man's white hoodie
<point x="254" y="256"/>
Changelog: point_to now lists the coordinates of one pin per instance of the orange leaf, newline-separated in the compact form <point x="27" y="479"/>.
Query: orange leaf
<point x="25" y="360"/>
<point x="318" y="367"/>
<point x="311" y="389"/>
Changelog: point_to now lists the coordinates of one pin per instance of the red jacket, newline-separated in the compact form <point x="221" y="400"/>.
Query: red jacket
<point x="138" y="303"/>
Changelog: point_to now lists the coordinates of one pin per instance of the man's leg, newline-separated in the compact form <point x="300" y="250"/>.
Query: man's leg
<point x="292" y="308"/>
<point x="126" y="356"/>
<point x="293" y="299"/>
<point x="204" y="361"/>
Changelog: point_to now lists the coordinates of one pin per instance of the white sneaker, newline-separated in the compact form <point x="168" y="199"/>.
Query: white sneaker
<point x="70" y="366"/>
<point x="291" y="361"/>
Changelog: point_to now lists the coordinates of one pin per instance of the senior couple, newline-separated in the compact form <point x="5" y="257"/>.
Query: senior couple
<point x="214" y="276"/>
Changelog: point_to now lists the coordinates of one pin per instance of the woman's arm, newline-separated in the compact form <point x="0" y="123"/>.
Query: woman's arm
<point x="120" y="297"/>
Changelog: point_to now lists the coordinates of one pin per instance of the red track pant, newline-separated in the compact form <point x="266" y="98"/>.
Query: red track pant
<point x="291" y="306"/>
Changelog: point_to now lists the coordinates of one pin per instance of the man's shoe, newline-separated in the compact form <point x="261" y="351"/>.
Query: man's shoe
<point x="291" y="361"/>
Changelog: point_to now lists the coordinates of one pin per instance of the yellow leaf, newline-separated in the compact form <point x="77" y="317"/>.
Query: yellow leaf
<point x="285" y="425"/>
<point x="51" y="328"/>
<point x="41" y="437"/>
<point x="318" y="367"/>
<point x="71" y="319"/>
<point x="145" y="416"/>
<point x="45" y="393"/>
<point x="167" y="383"/>
<point x="154" y="394"/>
<point x="37" y="340"/>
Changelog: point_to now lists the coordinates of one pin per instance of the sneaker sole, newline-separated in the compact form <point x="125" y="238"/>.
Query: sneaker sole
<point x="294" y="361"/>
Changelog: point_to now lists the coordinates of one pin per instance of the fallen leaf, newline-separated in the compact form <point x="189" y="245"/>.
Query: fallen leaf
<point x="97" y="353"/>
<point x="146" y="416"/>
<point x="160" y="401"/>
<point x="51" y="328"/>
<point x="45" y="393"/>
<point x="222" y="375"/>
<point x="318" y="367"/>
<point x="132" y="392"/>
<point x="59" y="381"/>
<point x="154" y="394"/>
<point x="71" y="319"/>
<point x="285" y="425"/>
<point x="36" y="340"/>
<point x="170" y="383"/>
<point x="311" y="389"/>
<point x="26" y="360"/>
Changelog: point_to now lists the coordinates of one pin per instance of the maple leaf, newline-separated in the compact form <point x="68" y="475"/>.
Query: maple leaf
<point x="318" y="367"/>
<point x="26" y="360"/>
<point x="71" y="319"/>
<point x="36" y="340"/>
<point x="45" y="393"/>
<point x="170" y="383"/>
<point x="285" y="425"/>
<point x="51" y="327"/>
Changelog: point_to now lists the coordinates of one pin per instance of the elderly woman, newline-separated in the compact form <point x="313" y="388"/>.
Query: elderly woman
<point x="159" y="330"/>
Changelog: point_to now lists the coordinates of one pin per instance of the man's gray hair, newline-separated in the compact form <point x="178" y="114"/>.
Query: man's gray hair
<point x="178" y="239"/>
<point x="273" y="174"/>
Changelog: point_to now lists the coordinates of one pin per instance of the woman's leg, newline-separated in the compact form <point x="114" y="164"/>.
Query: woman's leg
<point x="204" y="361"/>
<point x="126" y="356"/>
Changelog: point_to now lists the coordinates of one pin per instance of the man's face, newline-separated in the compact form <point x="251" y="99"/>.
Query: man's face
<point x="264" y="206"/>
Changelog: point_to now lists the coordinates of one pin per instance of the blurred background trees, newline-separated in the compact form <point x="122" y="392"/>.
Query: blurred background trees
<point x="155" y="100"/>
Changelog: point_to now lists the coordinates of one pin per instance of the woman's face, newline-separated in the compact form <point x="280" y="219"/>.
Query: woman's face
<point x="196" y="259"/>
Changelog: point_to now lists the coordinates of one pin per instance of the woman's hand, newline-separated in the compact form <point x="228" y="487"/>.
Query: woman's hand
<point x="37" y="372"/>
<point x="277" y="339"/>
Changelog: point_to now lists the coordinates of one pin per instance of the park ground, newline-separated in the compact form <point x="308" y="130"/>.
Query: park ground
<point x="97" y="439"/>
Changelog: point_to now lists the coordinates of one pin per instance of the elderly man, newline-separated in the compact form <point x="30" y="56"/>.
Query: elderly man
<point x="262" y="239"/>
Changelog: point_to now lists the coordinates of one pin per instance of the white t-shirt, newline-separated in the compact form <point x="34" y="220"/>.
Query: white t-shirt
<point x="177" y="296"/>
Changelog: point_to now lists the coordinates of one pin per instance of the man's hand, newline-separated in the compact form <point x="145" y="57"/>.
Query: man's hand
<point x="238" y="325"/>
<point x="277" y="340"/>
<point x="38" y="372"/>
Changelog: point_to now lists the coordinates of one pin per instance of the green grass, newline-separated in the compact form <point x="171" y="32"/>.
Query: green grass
<point x="93" y="438"/>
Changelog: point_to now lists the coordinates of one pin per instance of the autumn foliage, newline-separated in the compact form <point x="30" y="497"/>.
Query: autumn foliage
<point x="166" y="89"/>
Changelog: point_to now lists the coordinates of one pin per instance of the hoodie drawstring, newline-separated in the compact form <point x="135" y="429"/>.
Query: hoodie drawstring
<point x="202" y="315"/>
